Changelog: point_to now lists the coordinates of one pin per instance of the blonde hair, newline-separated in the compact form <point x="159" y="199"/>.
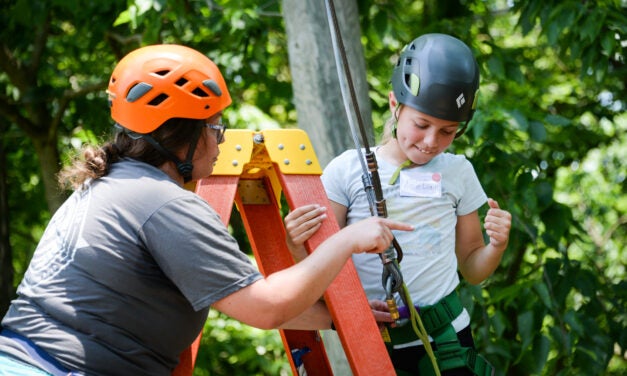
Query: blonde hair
<point x="390" y="124"/>
<point x="386" y="136"/>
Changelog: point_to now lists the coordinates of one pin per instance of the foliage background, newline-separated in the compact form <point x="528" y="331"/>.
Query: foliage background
<point x="548" y="142"/>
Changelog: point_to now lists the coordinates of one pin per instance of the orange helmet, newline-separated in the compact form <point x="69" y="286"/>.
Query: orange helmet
<point x="156" y="83"/>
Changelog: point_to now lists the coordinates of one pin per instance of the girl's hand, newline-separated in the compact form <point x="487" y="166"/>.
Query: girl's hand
<point x="497" y="225"/>
<point x="381" y="313"/>
<point x="300" y="225"/>
<point x="303" y="222"/>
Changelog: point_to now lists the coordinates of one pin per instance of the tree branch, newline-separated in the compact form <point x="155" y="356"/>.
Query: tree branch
<point x="68" y="95"/>
<point x="11" y="112"/>
<point x="39" y="46"/>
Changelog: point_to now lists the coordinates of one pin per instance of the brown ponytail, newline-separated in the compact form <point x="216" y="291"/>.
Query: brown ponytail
<point x="95" y="162"/>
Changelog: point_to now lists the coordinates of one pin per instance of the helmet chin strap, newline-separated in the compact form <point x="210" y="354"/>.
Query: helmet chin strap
<point x="185" y="167"/>
<point x="462" y="130"/>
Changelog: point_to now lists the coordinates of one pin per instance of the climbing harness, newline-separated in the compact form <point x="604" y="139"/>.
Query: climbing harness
<point x="450" y="354"/>
<point x="392" y="278"/>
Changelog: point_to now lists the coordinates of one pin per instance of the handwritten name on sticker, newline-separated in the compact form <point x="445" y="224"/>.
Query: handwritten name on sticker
<point x="420" y="184"/>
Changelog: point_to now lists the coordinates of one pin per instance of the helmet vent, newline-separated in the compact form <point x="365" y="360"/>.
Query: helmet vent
<point x="162" y="72"/>
<point x="181" y="81"/>
<point x="158" y="100"/>
<point x="213" y="86"/>
<point x="200" y="92"/>
<point x="138" y="91"/>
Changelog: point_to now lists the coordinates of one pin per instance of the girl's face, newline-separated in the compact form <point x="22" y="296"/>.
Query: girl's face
<point x="421" y="137"/>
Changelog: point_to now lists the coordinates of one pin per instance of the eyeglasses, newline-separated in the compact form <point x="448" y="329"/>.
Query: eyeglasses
<point x="220" y="129"/>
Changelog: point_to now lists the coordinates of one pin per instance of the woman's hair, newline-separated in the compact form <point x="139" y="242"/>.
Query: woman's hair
<point x="95" y="162"/>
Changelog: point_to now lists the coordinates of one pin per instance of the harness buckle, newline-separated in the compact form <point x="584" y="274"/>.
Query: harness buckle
<point x="451" y="354"/>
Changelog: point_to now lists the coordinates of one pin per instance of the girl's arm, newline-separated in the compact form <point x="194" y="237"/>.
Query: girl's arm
<point x="304" y="221"/>
<point x="476" y="260"/>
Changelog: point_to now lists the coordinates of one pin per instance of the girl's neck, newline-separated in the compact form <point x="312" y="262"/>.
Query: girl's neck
<point x="391" y="152"/>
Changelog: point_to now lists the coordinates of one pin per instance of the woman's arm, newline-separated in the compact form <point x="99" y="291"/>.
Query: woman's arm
<point x="284" y="295"/>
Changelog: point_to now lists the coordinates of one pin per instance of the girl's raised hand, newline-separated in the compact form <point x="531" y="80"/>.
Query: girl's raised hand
<point x="497" y="225"/>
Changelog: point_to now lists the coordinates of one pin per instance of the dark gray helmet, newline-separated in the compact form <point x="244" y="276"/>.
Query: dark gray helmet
<point x="438" y="75"/>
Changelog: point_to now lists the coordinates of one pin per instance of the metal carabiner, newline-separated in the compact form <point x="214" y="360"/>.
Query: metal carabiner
<point x="392" y="280"/>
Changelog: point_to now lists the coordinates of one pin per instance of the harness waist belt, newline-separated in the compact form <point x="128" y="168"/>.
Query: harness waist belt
<point x="42" y="359"/>
<point x="434" y="318"/>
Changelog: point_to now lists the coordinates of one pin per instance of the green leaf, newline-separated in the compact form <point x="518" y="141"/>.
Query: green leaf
<point x="573" y="321"/>
<point x="544" y="193"/>
<point x="537" y="131"/>
<point x="540" y="351"/>
<point x="123" y="18"/>
<point x="558" y="120"/>
<point x="496" y="66"/>
<point x="543" y="292"/>
<point x="525" y="328"/>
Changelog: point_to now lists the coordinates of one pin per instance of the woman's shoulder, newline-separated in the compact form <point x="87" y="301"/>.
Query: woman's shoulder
<point x="143" y="182"/>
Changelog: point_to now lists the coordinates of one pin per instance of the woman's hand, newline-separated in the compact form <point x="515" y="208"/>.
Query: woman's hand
<point x="372" y="235"/>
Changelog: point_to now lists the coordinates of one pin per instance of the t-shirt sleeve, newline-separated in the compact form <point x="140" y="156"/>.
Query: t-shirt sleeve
<point x="334" y="180"/>
<point x="474" y="196"/>
<point x="195" y="251"/>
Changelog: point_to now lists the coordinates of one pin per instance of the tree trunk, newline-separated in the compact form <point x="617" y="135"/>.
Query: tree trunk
<point x="49" y="160"/>
<point x="6" y="254"/>
<point x="317" y="91"/>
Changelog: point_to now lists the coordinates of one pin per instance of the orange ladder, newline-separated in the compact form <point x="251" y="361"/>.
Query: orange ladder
<point x="252" y="171"/>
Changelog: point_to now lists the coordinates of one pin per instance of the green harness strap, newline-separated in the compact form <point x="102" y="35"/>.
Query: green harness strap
<point x="450" y="353"/>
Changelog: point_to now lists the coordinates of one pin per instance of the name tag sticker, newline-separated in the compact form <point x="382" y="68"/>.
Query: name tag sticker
<point x="420" y="184"/>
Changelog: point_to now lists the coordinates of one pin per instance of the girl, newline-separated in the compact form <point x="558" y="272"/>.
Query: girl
<point x="435" y="84"/>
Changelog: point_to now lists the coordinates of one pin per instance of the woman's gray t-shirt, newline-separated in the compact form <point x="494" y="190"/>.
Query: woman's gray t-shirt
<point x="124" y="275"/>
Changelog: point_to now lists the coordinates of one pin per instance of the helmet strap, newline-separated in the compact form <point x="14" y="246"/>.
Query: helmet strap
<point x="461" y="130"/>
<point x="395" y="125"/>
<point x="183" y="167"/>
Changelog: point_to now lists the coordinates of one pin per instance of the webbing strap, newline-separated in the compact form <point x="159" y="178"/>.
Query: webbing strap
<point x="43" y="360"/>
<point x="434" y="318"/>
<point x="450" y="354"/>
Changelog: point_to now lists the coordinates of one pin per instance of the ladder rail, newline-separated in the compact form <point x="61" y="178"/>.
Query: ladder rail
<point x="253" y="180"/>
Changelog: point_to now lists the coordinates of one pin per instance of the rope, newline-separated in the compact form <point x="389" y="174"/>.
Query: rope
<point x="392" y="278"/>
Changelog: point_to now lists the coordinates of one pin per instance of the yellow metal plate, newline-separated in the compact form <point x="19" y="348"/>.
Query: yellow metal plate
<point x="292" y="151"/>
<point x="244" y="152"/>
<point x="235" y="152"/>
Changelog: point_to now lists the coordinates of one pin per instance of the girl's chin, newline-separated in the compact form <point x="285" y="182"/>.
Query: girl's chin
<point x="421" y="159"/>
